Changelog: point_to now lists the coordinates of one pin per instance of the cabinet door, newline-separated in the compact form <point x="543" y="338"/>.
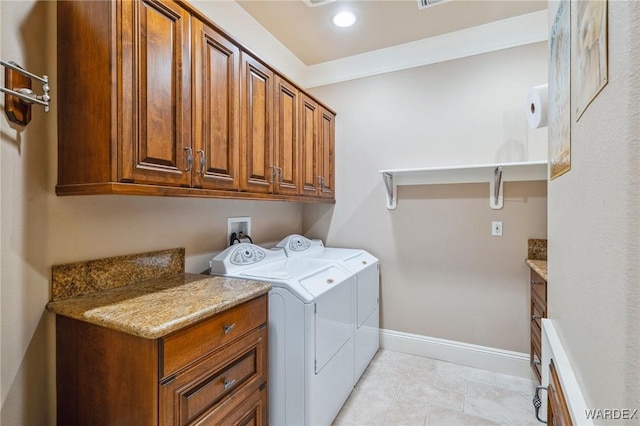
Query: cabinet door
<point x="286" y="147"/>
<point x="155" y="96"/>
<point x="309" y="173"/>
<point x="256" y="139"/>
<point x="216" y="93"/>
<point x="327" y="145"/>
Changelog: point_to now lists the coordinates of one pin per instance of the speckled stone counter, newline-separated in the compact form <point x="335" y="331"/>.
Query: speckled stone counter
<point x="147" y="294"/>
<point x="539" y="266"/>
<point x="537" y="249"/>
<point x="537" y="256"/>
<point x="157" y="307"/>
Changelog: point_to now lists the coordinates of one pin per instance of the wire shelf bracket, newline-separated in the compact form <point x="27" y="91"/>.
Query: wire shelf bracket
<point x="493" y="174"/>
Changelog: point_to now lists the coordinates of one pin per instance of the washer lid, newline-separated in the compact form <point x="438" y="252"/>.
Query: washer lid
<point x="325" y="280"/>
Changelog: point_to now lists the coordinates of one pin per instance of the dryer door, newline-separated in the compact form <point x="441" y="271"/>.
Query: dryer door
<point x="334" y="321"/>
<point x="367" y="285"/>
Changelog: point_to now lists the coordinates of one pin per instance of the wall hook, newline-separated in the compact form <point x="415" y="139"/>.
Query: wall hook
<point x="18" y="96"/>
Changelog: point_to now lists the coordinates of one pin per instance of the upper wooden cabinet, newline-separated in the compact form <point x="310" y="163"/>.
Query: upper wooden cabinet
<point x="156" y="93"/>
<point x="216" y="111"/>
<point x="256" y="161"/>
<point x="155" y="100"/>
<point x="286" y="152"/>
<point x="327" y="146"/>
<point x="317" y="135"/>
<point x="270" y="147"/>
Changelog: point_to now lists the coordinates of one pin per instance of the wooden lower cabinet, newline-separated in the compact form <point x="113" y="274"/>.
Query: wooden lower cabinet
<point x="210" y="373"/>
<point x="537" y="312"/>
<point x="557" y="410"/>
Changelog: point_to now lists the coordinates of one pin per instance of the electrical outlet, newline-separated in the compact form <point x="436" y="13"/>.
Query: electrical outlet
<point x="496" y="228"/>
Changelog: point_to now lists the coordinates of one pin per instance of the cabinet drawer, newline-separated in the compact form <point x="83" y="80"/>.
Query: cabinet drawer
<point x="215" y="382"/>
<point x="186" y="346"/>
<point x="536" y="349"/>
<point x="537" y="313"/>
<point x="538" y="288"/>
<point x="247" y="410"/>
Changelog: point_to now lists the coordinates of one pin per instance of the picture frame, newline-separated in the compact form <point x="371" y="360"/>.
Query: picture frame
<point x="560" y="92"/>
<point x="590" y="46"/>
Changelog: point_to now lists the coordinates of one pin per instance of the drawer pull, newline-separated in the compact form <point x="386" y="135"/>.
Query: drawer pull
<point x="534" y="362"/>
<point x="533" y="318"/>
<point x="537" y="403"/>
<point x="533" y="282"/>
<point x="228" y="383"/>
<point x="228" y="328"/>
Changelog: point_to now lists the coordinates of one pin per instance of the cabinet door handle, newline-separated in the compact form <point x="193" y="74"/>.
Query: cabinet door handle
<point x="203" y="162"/>
<point x="189" y="158"/>
<point x="228" y="328"/>
<point x="274" y="174"/>
<point x="228" y="383"/>
<point x="280" y="173"/>
<point x="319" y="181"/>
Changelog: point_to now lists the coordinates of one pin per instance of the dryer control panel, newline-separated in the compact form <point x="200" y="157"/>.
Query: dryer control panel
<point x="296" y="245"/>
<point x="247" y="255"/>
<point x="238" y="257"/>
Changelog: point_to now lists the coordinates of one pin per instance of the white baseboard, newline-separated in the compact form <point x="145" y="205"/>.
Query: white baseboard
<point x="498" y="360"/>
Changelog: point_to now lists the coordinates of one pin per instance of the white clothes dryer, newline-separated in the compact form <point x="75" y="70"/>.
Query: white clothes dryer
<point x="311" y="344"/>
<point x="366" y="269"/>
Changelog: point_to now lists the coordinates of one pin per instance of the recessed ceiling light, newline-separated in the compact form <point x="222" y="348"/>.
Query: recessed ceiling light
<point x="344" y="19"/>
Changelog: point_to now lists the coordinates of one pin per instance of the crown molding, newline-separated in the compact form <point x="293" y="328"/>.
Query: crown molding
<point x="505" y="34"/>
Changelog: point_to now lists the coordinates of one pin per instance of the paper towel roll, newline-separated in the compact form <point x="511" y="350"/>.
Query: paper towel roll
<point x="537" y="106"/>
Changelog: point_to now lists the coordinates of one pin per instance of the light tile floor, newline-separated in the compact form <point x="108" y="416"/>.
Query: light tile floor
<point x="399" y="389"/>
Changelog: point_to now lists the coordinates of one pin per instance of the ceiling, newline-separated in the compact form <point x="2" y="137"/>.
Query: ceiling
<point x="309" y="33"/>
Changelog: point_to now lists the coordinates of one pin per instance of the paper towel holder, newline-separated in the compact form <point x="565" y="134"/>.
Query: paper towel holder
<point x="18" y="96"/>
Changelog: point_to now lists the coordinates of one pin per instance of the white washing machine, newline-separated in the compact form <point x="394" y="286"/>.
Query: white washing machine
<point x="366" y="269"/>
<point x="311" y="344"/>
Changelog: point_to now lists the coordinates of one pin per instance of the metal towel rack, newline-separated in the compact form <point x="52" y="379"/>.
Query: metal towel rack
<point x="18" y="95"/>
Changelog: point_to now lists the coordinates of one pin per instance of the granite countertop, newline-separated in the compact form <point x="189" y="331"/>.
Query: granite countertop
<point x="539" y="266"/>
<point x="157" y="307"/>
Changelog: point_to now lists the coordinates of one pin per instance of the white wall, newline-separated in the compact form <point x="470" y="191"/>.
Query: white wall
<point x="594" y="229"/>
<point x="443" y="275"/>
<point x="39" y="229"/>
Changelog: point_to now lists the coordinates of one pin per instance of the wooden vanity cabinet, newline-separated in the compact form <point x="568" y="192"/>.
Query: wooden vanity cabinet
<point x="537" y="312"/>
<point x="557" y="410"/>
<point x="210" y="373"/>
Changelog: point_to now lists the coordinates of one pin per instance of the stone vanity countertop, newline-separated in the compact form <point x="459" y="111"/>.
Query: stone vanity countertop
<point x="157" y="307"/>
<point x="539" y="266"/>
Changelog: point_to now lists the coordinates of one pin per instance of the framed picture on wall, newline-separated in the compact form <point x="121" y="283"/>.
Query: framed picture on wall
<point x="590" y="34"/>
<point x="560" y="92"/>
